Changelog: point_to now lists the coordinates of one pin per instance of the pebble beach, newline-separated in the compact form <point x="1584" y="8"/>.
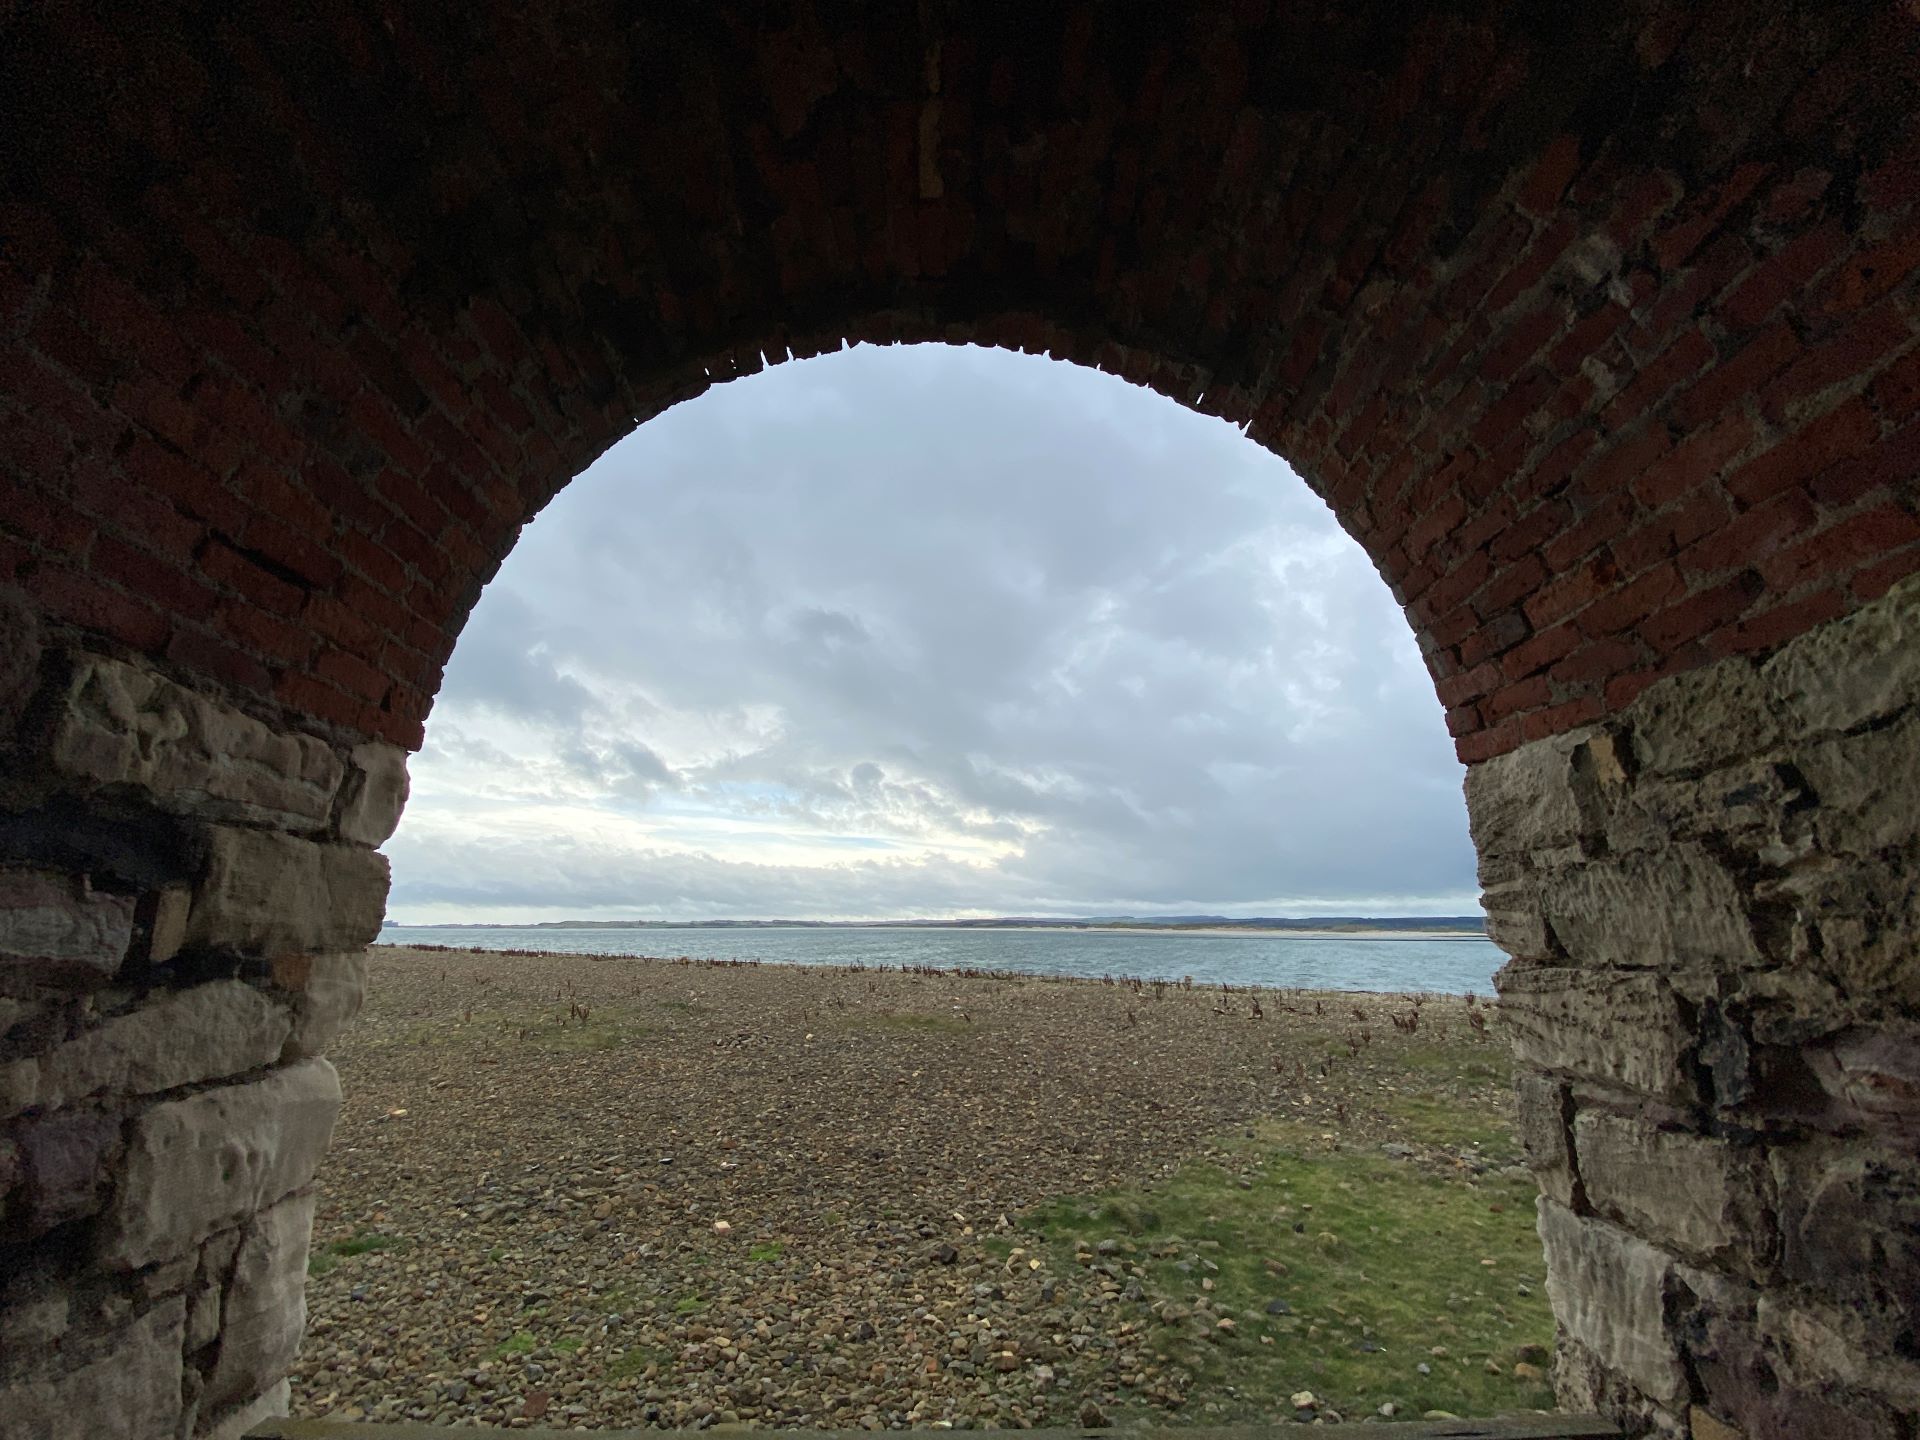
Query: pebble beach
<point x="586" y="1191"/>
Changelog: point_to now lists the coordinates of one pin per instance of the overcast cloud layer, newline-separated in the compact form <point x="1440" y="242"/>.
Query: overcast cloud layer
<point x="933" y="631"/>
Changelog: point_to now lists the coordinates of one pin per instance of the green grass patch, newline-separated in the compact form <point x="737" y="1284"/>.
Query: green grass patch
<point x="567" y="1344"/>
<point x="1352" y="1266"/>
<point x="521" y="1342"/>
<point x="365" y="1242"/>
<point x="689" y="1305"/>
<point x="772" y="1250"/>
<point x="320" y="1263"/>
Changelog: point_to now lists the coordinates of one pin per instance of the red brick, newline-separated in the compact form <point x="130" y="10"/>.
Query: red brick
<point x="1771" y="628"/>
<point x="1668" y="629"/>
<point x="301" y="692"/>
<point x="1839" y="435"/>
<point x="1558" y="719"/>
<point x="1628" y="605"/>
<point x="1853" y="353"/>
<point x="1754" y="532"/>
<point x="1741" y="374"/>
<point x="198" y="651"/>
<point x="1870" y="582"/>
<point x="1508" y="586"/>
<point x="1572" y="591"/>
<point x="85" y="602"/>
<point x="1842" y="547"/>
<point x="1548" y="180"/>
<point x="1540" y="651"/>
<point x="1600" y="660"/>
<point x="352" y="674"/>
<point x="1783" y="274"/>
<point x="1515" y="698"/>
<point x="1695" y="461"/>
<point x="228" y="568"/>
<point x="150" y="577"/>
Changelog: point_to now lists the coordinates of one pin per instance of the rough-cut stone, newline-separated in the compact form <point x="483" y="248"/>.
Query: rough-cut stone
<point x="269" y="894"/>
<point x="1625" y="1027"/>
<point x="1541" y="1107"/>
<point x="327" y="991"/>
<point x="1870" y="1074"/>
<point x="236" y="1423"/>
<point x="1703" y="1424"/>
<point x="62" y="1164"/>
<point x="1821" y="1346"/>
<point x="181" y="1037"/>
<point x="1700" y="719"/>
<point x="123" y="725"/>
<point x="1609" y="1292"/>
<point x="1676" y="907"/>
<point x="1523" y="802"/>
<point x="206" y="1296"/>
<point x="57" y="928"/>
<point x="162" y="917"/>
<point x="1862" y="807"/>
<point x="201" y="1164"/>
<point x="376" y="794"/>
<point x="131" y="1394"/>
<point x="265" y="1308"/>
<point x="1850" y="1228"/>
<point x="1698" y="1193"/>
<point x="1853" y="672"/>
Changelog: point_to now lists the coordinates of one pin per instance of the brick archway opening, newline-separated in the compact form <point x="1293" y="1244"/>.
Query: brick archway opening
<point x="1597" y="329"/>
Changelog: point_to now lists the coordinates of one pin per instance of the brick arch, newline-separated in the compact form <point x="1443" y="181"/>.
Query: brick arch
<point x="1596" y="326"/>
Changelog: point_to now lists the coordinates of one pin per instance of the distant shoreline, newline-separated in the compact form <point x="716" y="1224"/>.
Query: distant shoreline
<point x="1426" y="927"/>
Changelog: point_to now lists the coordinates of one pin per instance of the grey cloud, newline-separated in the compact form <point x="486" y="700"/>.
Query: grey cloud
<point x="988" y="595"/>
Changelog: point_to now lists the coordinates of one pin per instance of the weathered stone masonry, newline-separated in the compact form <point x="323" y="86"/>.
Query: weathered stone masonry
<point x="1597" y="325"/>
<point x="185" y="894"/>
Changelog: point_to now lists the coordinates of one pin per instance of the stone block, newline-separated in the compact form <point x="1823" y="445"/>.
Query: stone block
<point x="204" y="1163"/>
<point x="376" y="793"/>
<point x="1678" y="906"/>
<point x="62" y="1165"/>
<point x="270" y="894"/>
<point x="1869" y="1074"/>
<point x="1698" y="1193"/>
<point x="1821" y="1348"/>
<point x="1609" y="1294"/>
<point x="1853" y="672"/>
<point x="1700" y="719"/>
<point x="1849" y="1215"/>
<point x="1524" y="801"/>
<point x="1859" y="783"/>
<point x="178" y="1038"/>
<point x="1623" y="1026"/>
<point x="122" y="725"/>
<point x="56" y="928"/>
<point x="327" y="991"/>
<point x="161" y="923"/>
<point x="265" y="1309"/>
<point x="1541" y="1105"/>
<point x="132" y="1393"/>
<point x="206" y="1294"/>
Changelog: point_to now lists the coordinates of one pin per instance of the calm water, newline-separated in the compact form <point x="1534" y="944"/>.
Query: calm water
<point x="1316" y="962"/>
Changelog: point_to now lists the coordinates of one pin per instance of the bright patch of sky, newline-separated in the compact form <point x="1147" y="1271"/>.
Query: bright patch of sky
<point x="933" y="631"/>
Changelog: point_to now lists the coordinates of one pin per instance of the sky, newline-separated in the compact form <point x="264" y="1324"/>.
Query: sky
<point x="933" y="631"/>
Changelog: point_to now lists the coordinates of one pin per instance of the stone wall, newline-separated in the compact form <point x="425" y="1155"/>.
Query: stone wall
<point x="1712" y="902"/>
<point x="185" y="896"/>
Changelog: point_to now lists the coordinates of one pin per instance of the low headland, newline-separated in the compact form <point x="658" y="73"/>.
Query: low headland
<point x="596" y="1191"/>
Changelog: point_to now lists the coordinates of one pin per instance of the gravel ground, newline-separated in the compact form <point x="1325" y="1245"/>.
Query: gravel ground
<point x="583" y="1191"/>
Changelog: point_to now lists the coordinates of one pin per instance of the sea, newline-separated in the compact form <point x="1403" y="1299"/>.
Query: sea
<point x="1456" y="965"/>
